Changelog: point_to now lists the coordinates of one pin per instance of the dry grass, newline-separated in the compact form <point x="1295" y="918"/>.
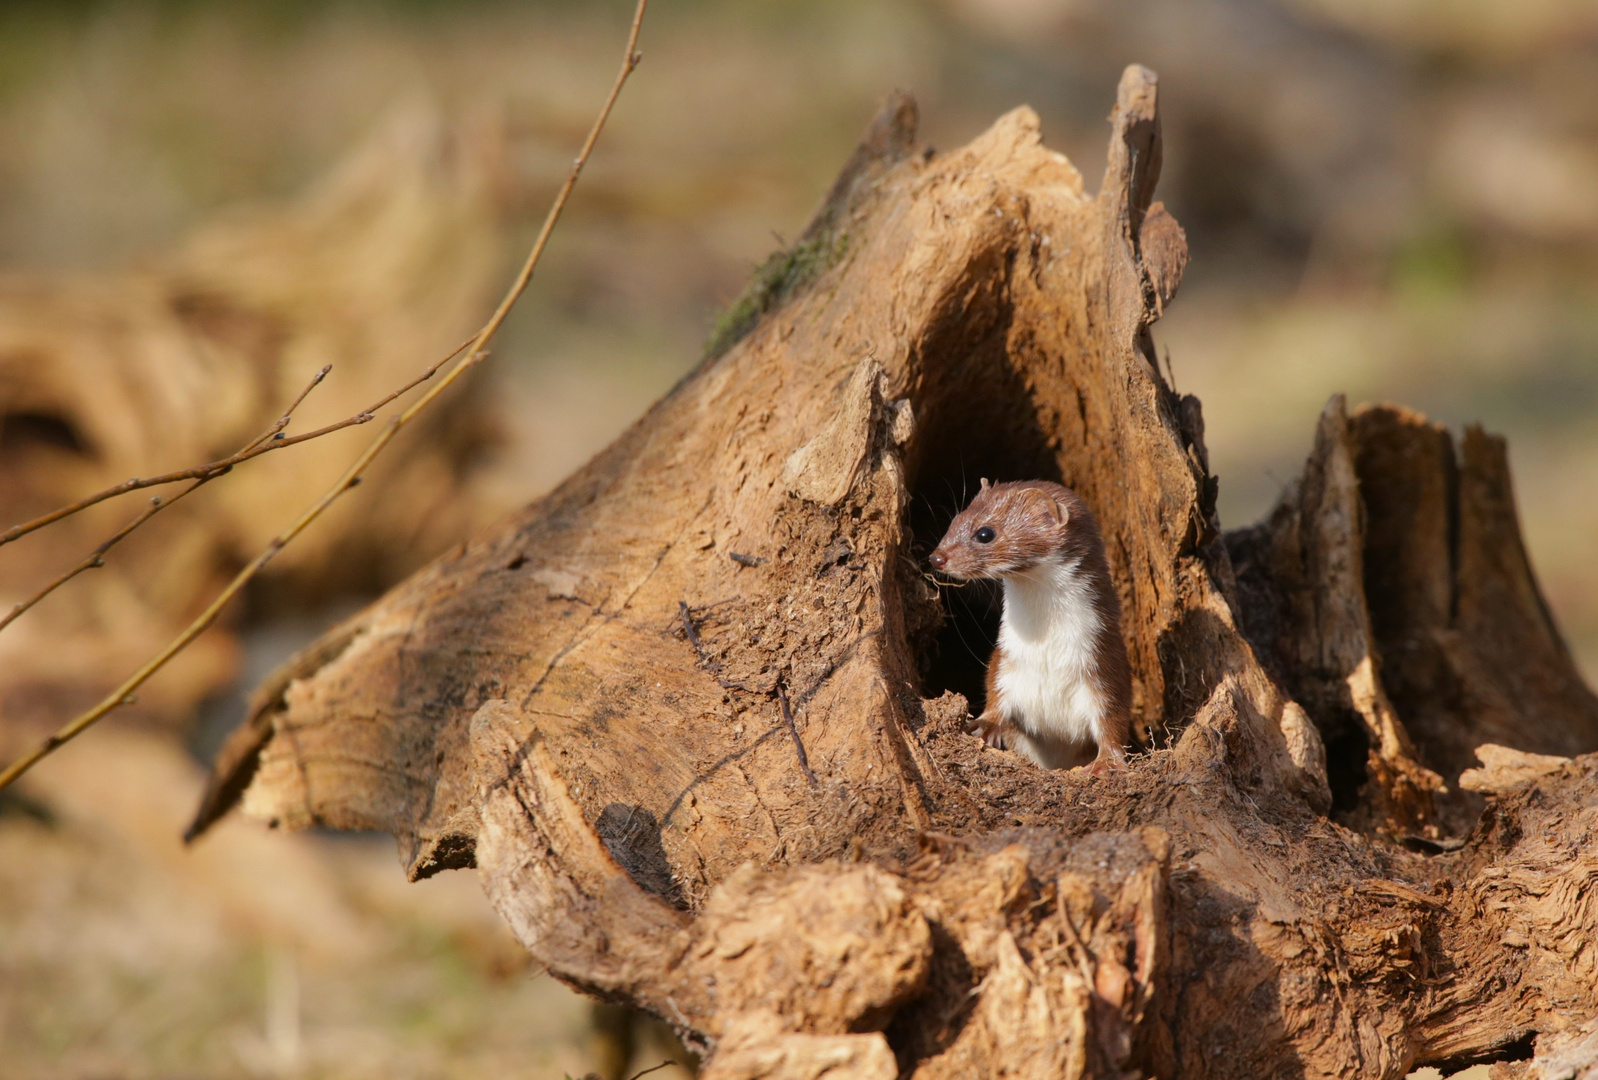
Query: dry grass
<point x="254" y="954"/>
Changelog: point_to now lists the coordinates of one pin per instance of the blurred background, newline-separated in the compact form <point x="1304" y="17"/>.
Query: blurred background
<point x="203" y="202"/>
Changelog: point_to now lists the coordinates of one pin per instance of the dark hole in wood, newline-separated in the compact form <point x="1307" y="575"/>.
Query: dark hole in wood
<point x="1520" y="1048"/>
<point x="980" y="422"/>
<point x="23" y="431"/>
<point x="1347" y="751"/>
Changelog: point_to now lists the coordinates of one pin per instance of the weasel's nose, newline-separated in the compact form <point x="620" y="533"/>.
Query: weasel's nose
<point x="938" y="560"/>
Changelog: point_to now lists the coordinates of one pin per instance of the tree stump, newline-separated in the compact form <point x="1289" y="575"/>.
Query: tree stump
<point x="696" y="716"/>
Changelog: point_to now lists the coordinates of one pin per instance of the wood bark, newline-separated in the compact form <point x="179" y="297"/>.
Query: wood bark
<point x="696" y="717"/>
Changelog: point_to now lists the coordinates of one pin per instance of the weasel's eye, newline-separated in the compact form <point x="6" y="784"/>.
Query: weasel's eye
<point x="984" y="535"/>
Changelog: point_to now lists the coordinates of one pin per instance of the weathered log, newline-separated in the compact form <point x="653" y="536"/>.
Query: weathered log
<point x="696" y="716"/>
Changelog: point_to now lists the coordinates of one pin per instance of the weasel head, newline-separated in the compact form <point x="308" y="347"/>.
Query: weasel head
<point x="1011" y="528"/>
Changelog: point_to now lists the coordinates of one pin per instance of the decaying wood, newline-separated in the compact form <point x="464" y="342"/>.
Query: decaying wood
<point x="1473" y="653"/>
<point x="697" y="715"/>
<point x="1302" y="573"/>
<point x="1391" y="581"/>
<point x="378" y="271"/>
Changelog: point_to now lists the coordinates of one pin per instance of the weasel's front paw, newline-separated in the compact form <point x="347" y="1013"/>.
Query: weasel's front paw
<point x="991" y="730"/>
<point x="1108" y="761"/>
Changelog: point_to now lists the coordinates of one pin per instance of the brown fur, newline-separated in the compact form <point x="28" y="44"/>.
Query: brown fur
<point x="1033" y="521"/>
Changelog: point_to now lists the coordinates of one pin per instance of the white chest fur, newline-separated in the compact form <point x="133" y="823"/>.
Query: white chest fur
<point x="1046" y="675"/>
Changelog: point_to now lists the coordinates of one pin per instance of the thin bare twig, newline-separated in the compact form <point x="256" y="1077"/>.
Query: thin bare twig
<point x="96" y="558"/>
<point x="271" y="440"/>
<point x="288" y="414"/>
<point x="352" y="476"/>
<point x="793" y="730"/>
<point x="710" y="662"/>
<point x="693" y="635"/>
<point x="652" y="1068"/>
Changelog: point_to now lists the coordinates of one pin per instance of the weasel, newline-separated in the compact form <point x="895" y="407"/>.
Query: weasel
<point x="1059" y="685"/>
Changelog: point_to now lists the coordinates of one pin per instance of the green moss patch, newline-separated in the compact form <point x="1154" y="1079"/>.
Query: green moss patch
<point x="779" y="277"/>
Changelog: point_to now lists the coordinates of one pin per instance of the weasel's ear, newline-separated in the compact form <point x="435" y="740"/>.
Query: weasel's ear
<point x="1056" y="510"/>
<point x="984" y="486"/>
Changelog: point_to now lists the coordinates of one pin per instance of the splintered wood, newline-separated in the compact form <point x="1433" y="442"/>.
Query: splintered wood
<point x="689" y="717"/>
